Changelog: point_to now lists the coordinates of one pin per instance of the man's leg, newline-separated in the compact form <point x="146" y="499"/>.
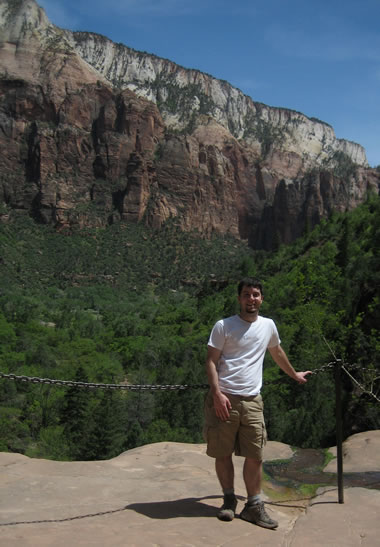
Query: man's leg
<point x="254" y="510"/>
<point x="252" y="473"/>
<point x="221" y="439"/>
<point x="225" y="472"/>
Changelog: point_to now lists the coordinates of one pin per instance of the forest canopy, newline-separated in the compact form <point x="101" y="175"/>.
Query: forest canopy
<point x="131" y="305"/>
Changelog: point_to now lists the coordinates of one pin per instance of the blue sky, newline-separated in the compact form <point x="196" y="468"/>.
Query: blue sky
<point x="321" y="58"/>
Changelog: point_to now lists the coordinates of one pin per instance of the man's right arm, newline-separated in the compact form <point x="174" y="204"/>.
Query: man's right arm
<point x="222" y="404"/>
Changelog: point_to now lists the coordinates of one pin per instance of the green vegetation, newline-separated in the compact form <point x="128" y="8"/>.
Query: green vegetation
<point x="266" y="133"/>
<point x="12" y="8"/>
<point x="328" y="458"/>
<point x="310" y="490"/>
<point x="341" y="165"/>
<point x="317" y="120"/>
<point x="128" y="304"/>
<point x="189" y="101"/>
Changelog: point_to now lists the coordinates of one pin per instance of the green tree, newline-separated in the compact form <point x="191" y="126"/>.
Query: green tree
<point x="77" y="417"/>
<point x="107" y="436"/>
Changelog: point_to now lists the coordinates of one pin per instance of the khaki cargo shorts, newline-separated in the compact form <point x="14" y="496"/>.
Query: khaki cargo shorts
<point x="243" y="433"/>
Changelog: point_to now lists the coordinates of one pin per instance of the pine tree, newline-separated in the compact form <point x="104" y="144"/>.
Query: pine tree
<point x="76" y="417"/>
<point x="108" y="434"/>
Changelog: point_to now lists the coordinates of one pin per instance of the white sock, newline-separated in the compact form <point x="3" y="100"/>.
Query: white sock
<point x="252" y="500"/>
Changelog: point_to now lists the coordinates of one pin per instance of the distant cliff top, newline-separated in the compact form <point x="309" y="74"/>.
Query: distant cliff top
<point x="182" y="95"/>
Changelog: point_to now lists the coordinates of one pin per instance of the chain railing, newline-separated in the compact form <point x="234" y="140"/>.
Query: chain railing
<point x="173" y="387"/>
<point x="370" y="391"/>
<point x="128" y="387"/>
<point x="93" y="385"/>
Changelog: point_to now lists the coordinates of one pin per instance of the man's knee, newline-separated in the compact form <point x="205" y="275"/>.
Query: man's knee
<point x="253" y="462"/>
<point x="224" y="459"/>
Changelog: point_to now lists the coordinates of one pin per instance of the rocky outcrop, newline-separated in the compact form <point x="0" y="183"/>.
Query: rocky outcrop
<point x="360" y="453"/>
<point x="168" y="494"/>
<point x="182" y="94"/>
<point x="93" y="133"/>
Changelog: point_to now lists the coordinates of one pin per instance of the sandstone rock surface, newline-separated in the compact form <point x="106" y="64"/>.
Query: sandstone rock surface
<point x="361" y="452"/>
<point x="167" y="494"/>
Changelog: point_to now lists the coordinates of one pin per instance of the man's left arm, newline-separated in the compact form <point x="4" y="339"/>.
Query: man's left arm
<point x="280" y="357"/>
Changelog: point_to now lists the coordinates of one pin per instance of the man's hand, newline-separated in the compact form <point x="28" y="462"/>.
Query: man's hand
<point x="222" y="403"/>
<point x="222" y="406"/>
<point x="301" y="376"/>
<point x="280" y="357"/>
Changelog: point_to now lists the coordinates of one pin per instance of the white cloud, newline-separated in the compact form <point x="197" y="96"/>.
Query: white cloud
<point x="143" y="7"/>
<point x="58" y="14"/>
<point x="247" y="85"/>
<point x="73" y="13"/>
<point x="333" y="44"/>
<point x="162" y="8"/>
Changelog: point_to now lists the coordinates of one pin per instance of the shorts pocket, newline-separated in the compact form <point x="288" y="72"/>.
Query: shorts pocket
<point x="264" y="436"/>
<point x="211" y="419"/>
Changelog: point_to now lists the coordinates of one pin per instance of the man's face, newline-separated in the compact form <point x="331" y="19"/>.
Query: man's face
<point x="250" y="300"/>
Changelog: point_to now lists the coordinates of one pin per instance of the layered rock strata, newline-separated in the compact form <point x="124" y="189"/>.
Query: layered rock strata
<point x="93" y="133"/>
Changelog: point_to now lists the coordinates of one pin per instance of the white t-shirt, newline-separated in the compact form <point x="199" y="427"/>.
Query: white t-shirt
<point x="243" y="346"/>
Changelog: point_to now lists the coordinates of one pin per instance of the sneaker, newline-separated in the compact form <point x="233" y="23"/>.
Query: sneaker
<point x="257" y="515"/>
<point x="227" y="511"/>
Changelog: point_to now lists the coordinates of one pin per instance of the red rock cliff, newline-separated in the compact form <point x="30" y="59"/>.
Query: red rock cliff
<point x="78" y="151"/>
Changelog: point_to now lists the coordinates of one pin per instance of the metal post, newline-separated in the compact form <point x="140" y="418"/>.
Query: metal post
<point x="339" y="439"/>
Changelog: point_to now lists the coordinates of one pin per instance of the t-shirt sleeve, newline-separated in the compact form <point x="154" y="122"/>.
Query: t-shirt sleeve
<point x="217" y="336"/>
<point x="275" y="337"/>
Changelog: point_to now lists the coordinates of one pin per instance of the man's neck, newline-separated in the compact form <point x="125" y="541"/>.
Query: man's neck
<point x="249" y="317"/>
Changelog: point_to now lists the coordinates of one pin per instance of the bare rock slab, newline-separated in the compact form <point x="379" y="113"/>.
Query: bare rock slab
<point x="328" y="523"/>
<point x="361" y="452"/>
<point x="162" y="494"/>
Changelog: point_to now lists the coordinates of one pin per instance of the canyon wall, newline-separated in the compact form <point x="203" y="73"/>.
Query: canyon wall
<point x="93" y="133"/>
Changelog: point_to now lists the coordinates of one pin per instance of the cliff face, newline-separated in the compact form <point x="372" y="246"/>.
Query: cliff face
<point x="183" y="94"/>
<point x="93" y="132"/>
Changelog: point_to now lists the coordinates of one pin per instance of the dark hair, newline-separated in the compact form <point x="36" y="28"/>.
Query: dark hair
<point x="250" y="282"/>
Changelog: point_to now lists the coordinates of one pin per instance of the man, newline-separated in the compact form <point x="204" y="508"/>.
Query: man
<point x="234" y="420"/>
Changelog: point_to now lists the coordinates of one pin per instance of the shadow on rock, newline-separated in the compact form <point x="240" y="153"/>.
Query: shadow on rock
<point x="188" y="507"/>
